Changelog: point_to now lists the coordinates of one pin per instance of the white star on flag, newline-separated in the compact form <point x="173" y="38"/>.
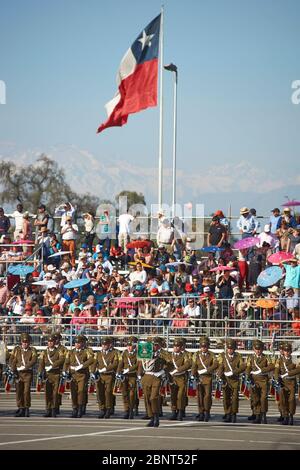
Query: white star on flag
<point x="146" y="40"/>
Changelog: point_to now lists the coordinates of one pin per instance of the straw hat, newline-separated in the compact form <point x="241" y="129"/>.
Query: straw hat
<point x="244" y="210"/>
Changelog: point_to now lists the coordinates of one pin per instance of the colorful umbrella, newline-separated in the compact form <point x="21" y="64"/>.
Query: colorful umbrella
<point x="44" y="283"/>
<point x="246" y="243"/>
<point x="21" y="270"/>
<point x="222" y="268"/>
<point x="291" y="203"/>
<point x="279" y="257"/>
<point x="269" y="276"/>
<point x="139" y="244"/>
<point x="59" y="253"/>
<point x="212" y="249"/>
<point x="265" y="303"/>
<point x="177" y="263"/>
<point x="76" y="283"/>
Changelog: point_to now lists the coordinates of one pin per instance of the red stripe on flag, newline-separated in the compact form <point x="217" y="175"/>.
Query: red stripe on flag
<point x="138" y="92"/>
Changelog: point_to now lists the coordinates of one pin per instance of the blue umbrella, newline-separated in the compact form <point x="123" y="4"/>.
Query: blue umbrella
<point x="212" y="249"/>
<point x="77" y="283"/>
<point x="269" y="276"/>
<point x="21" y="270"/>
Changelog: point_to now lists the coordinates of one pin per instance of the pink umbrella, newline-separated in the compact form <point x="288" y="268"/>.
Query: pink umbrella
<point x="222" y="268"/>
<point x="291" y="203"/>
<point x="279" y="257"/>
<point x="246" y="243"/>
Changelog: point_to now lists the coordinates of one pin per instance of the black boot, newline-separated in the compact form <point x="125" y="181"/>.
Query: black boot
<point x="180" y="415"/>
<point x="126" y="415"/>
<point x="280" y="419"/>
<point x="207" y="416"/>
<point x="173" y="415"/>
<point x="74" y="413"/>
<point x="234" y="418"/>
<point x="257" y="419"/>
<point x="156" y="420"/>
<point x="112" y="411"/>
<point x="264" y="418"/>
<point x="291" y="420"/>
<point x="151" y="422"/>
<point x="84" y="409"/>
<point x="285" y="420"/>
<point x="101" y="414"/>
<point x="136" y="412"/>
<point x="20" y="413"/>
<point x="228" y="419"/>
<point x="183" y="413"/>
<point x="224" y="417"/>
<point x="201" y="417"/>
<point x="27" y="412"/>
<point x="53" y="413"/>
<point x="48" y="414"/>
<point x="57" y="411"/>
<point x="131" y="413"/>
<point x="108" y="413"/>
<point x="80" y="411"/>
<point x="17" y="413"/>
<point x="252" y="417"/>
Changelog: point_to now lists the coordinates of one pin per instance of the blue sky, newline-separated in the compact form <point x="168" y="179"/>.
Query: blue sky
<point x="236" y="60"/>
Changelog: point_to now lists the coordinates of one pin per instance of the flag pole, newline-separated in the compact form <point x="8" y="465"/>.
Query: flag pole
<point x="160" y="153"/>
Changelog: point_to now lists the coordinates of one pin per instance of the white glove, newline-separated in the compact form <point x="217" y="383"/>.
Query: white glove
<point x="102" y="370"/>
<point x="48" y="368"/>
<point x="21" y="368"/>
<point x="256" y="372"/>
<point x="284" y="375"/>
<point x="78" y="367"/>
<point x="228" y="374"/>
<point x="202" y="371"/>
<point x="125" y="371"/>
<point x="174" y="372"/>
<point x="161" y="373"/>
<point x="139" y="377"/>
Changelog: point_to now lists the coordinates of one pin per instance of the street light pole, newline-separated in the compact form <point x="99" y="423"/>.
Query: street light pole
<point x="172" y="68"/>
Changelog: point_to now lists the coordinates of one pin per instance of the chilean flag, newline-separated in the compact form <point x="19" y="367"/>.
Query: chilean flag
<point x="136" y="78"/>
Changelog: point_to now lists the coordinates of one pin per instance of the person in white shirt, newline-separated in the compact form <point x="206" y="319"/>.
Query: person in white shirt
<point x="18" y="216"/>
<point x="65" y="210"/>
<point x="69" y="234"/>
<point x="268" y="237"/>
<point x="192" y="311"/>
<point x="165" y="233"/>
<point x="124" y="230"/>
<point x="139" y="275"/>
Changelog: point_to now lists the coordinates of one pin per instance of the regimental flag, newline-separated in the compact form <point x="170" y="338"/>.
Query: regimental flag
<point x="136" y="78"/>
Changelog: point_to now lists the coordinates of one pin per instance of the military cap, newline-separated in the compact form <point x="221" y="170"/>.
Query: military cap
<point x="257" y="344"/>
<point x="51" y="338"/>
<point x="178" y="342"/>
<point x="287" y="347"/>
<point x="25" y="337"/>
<point x="204" y="341"/>
<point x="107" y="340"/>
<point x="230" y="343"/>
<point x="79" y="339"/>
<point x="281" y="345"/>
<point x="58" y="336"/>
<point x="132" y="340"/>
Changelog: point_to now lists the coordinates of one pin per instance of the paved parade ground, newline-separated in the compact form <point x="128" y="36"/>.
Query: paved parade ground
<point x="90" y="433"/>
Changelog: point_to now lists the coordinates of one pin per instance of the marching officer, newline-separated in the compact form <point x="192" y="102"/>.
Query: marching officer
<point x="6" y="356"/>
<point x="285" y="375"/>
<point x="51" y="363"/>
<point x="231" y="365"/>
<point x="204" y="363"/>
<point x="77" y="363"/>
<point x="153" y="371"/>
<point x="258" y="367"/>
<point x="21" y="361"/>
<point x="128" y="367"/>
<point x="105" y="366"/>
<point x="62" y="350"/>
<point x="178" y="365"/>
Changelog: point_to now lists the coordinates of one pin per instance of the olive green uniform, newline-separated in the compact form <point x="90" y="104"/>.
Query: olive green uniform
<point x="177" y="365"/>
<point x="152" y="372"/>
<point x="258" y="367"/>
<point x="82" y="358"/>
<point x="55" y="359"/>
<point x="230" y="367"/>
<point x="19" y="358"/>
<point x="287" y="399"/>
<point x="204" y="362"/>
<point x="128" y="361"/>
<point x="62" y="350"/>
<point x="107" y="360"/>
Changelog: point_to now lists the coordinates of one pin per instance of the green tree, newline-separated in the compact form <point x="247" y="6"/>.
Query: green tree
<point x="132" y="198"/>
<point x="41" y="182"/>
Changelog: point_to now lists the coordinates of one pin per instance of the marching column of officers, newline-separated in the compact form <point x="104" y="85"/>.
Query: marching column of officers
<point x="112" y="371"/>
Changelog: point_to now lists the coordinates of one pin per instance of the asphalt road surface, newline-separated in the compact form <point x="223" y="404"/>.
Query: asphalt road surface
<point x="88" y="432"/>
